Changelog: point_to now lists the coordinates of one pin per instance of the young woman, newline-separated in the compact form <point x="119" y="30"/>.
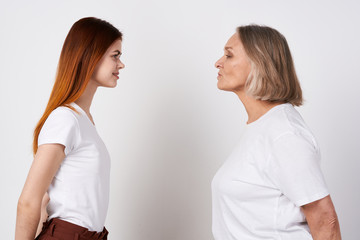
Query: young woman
<point x="71" y="166"/>
<point x="271" y="186"/>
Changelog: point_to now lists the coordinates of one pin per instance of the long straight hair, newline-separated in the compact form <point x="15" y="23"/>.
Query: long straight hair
<point x="84" y="46"/>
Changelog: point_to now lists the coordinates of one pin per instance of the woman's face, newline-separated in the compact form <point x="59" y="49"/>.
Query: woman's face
<point x="107" y="70"/>
<point x="234" y="67"/>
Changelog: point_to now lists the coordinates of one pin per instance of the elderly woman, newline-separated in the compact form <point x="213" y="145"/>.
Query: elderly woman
<point x="271" y="186"/>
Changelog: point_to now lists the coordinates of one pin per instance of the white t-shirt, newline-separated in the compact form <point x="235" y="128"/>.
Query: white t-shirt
<point x="275" y="169"/>
<point x="79" y="192"/>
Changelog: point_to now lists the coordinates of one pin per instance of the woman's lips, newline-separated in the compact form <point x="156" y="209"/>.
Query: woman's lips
<point x="116" y="75"/>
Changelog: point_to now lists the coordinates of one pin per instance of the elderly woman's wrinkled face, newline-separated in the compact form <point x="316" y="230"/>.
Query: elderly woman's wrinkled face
<point x="234" y="67"/>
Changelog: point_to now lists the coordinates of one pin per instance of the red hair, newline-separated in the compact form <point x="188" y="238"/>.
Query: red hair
<point x="84" y="46"/>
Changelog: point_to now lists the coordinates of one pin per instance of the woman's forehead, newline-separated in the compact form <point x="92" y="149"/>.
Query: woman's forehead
<point x="233" y="42"/>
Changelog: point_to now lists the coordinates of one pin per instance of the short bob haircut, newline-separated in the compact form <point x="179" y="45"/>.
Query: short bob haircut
<point x="272" y="77"/>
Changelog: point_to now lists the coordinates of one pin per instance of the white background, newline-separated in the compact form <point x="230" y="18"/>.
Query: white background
<point x="166" y="125"/>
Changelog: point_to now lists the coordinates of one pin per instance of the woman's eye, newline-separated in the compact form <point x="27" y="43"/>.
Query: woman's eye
<point x="117" y="56"/>
<point x="227" y="56"/>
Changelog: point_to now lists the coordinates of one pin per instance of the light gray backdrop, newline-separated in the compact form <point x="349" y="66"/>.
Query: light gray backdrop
<point x="167" y="126"/>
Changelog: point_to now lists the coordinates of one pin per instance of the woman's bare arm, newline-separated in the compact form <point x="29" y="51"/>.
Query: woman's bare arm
<point x="44" y="215"/>
<point x="322" y="219"/>
<point x="44" y="167"/>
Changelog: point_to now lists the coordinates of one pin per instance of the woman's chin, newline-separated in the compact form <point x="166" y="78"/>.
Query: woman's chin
<point x="222" y="87"/>
<point x="110" y="84"/>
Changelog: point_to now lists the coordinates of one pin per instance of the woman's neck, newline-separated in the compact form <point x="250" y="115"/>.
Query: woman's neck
<point x="255" y="108"/>
<point x="85" y="100"/>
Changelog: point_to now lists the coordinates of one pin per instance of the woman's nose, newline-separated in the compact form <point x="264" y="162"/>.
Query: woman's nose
<point x="218" y="63"/>
<point x="121" y="65"/>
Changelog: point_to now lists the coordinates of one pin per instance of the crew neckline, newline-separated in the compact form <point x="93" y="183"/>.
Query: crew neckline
<point x="82" y="110"/>
<point x="265" y="115"/>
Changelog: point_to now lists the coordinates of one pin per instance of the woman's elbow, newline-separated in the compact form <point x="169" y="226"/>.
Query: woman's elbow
<point x="25" y="205"/>
<point x="329" y="227"/>
<point x="333" y="221"/>
<point x="333" y="224"/>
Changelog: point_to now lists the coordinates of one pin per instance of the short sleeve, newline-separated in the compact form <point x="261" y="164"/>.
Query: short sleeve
<point x="60" y="127"/>
<point x="294" y="167"/>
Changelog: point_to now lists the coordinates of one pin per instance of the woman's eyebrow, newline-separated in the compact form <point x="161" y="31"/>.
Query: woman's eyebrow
<point x="118" y="52"/>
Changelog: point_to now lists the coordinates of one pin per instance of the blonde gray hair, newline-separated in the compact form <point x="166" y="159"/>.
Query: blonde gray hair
<point x="272" y="77"/>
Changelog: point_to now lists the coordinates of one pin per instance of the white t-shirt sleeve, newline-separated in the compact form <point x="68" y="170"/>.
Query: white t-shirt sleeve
<point x="294" y="167"/>
<point x="60" y="127"/>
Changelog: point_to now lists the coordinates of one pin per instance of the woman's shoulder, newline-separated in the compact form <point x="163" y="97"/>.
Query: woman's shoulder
<point x="287" y="120"/>
<point x="64" y="114"/>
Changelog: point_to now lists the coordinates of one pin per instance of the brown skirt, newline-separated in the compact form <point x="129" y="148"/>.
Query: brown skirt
<point x="56" y="229"/>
